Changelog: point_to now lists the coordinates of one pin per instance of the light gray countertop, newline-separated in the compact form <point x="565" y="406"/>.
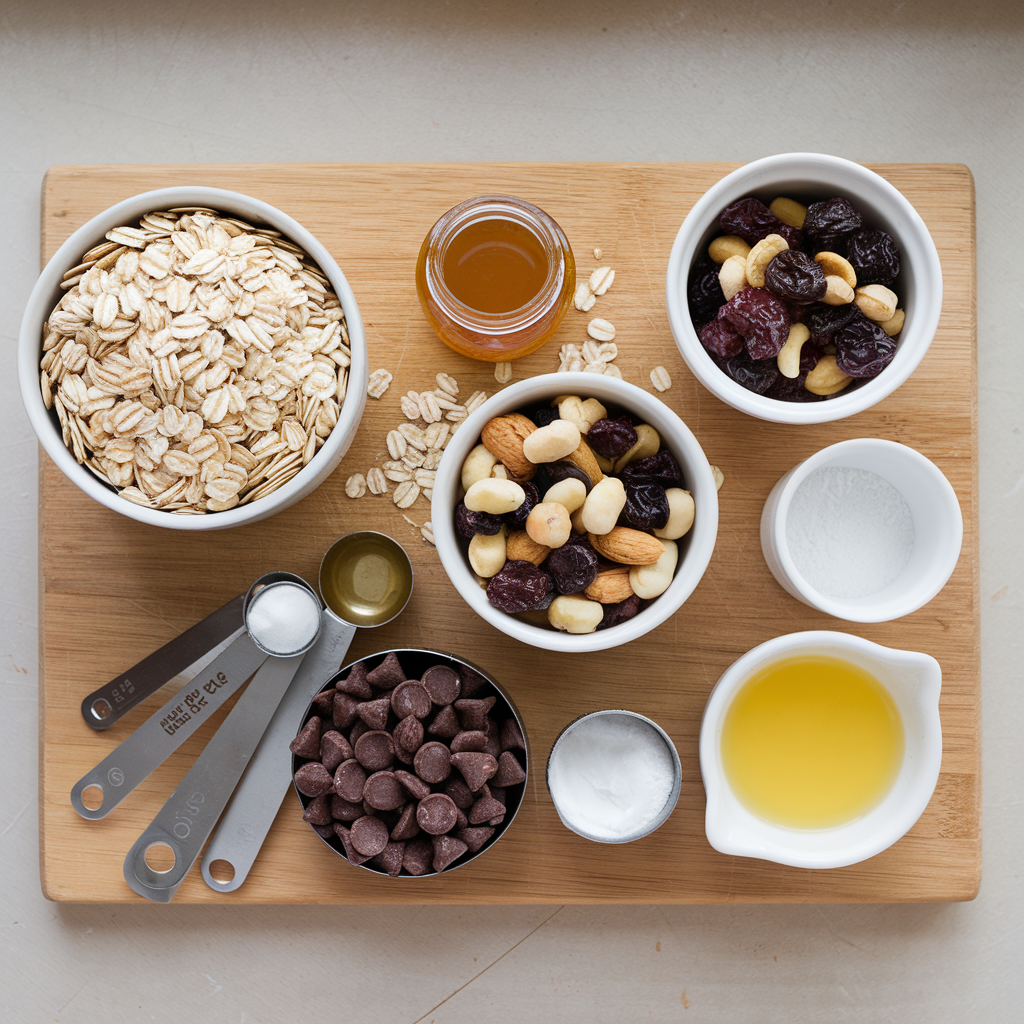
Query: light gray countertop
<point x="465" y="81"/>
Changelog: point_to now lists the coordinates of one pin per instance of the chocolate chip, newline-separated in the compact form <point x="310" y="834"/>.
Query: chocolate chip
<point x="461" y="821"/>
<point x="406" y="827"/>
<point x="390" y="859"/>
<point x="445" y="723"/>
<point x="460" y="794"/>
<point x="473" y="713"/>
<point x="498" y="792"/>
<point x="388" y="674"/>
<point x="474" y="838"/>
<point x="510" y="771"/>
<point x="369" y="835"/>
<point x="419" y="853"/>
<point x="414" y="786"/>
<point x="409" y="735"/>
<point x="318" y="811"/>
<point x="432" y="762"/>
<point x="495" y="822"/>
<point x="476" y="768"/>
<point x="374" y="750"/>
<point x="447" y="849"/>
<point x="313" y="779"/>
<point x="485" y="809"/>
<point x="493" y="744"/>
<point x="346" y="710"/>
<point x="403" y="755"/>
<point x="410" y="698"/>
<point x="334" y="749"/>
<point x="345" y="810"/>
<point x="442" y="684"/>
<point x="349" y="780"/>
<point x="355" y="683"/>
<point x="345" y="835"/>
<point x="307" y="743"/>
<point x="436" y="814"/>
<point x="323" y="704"/>
<point x="471" y="739"/>
<point x="512" y="735"/>
<point x="383" y="792"/>
<point x="357" y="730"/>
<point x="472" y="682"/>
<point x="323" y="831"/>
<point x="375" y="712"/>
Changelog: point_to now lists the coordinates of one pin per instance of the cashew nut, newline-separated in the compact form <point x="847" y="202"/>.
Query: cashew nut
<point x="574" y="614"/>
<point x="680" y="514"/>
<point x="569" y="492"/>
<point x="826" y="378"/>
<point x="582" y="414"/>
<point x="487" y="553"/>
<point x="837" y="291"/>
<point x="732" y="276"/>
<point x="789" y="355"/>
<point x="494" y="496"/>
<point x="724" y="246"/>
<point x="893" y="326"/>
<point x="650" y="581"/>
<point x="837" y="266"/>
<point x="553" y="442"/>
<point x="876" y="302"/>
<point x="761" y="255"/>
<point x="789" y="211"/>
<point x="604" y="503"/>
<point x="478" y="465"/>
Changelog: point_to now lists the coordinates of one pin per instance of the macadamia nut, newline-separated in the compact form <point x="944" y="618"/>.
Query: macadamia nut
<point x="487" y="553"/>
<point x="650" y="581"/>
<point x="494" y="496"/>
<point x="680" y="514"/>
<point x="553" y="442"/>
<point x="574" y="614"/>
<point x="570" y="492"/>
<point x="604" y="504"/>
<point x="549" y="524"/>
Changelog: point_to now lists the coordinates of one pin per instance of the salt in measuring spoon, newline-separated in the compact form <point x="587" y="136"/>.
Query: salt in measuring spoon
<point x="366" y="581"/>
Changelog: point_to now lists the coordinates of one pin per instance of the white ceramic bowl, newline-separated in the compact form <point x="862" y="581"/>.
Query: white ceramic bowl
<point x="694" y="549"/>
<point x="47" y="292"/>
<point x="938" y="529"/>
<point x="811" y="177"/>
<point x="914" y="681"/>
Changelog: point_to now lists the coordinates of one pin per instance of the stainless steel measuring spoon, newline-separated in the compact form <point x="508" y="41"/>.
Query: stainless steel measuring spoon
<point x="366" y="581"/>
<point x="178" y="661"/>
<point x="184" y="823"/>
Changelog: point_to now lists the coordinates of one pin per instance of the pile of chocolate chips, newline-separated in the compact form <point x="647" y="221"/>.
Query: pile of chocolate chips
<point x="409" y="774"/>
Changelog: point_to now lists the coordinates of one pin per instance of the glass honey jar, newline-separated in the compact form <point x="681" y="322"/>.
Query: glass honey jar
<point x="495" y="276"/>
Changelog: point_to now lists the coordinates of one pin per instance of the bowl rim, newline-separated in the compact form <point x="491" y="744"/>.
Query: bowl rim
<point x="775" y="848"/>
<point x="916" y="244"/>
<point x="43" y="296"/>
<point x="700" y="482"/>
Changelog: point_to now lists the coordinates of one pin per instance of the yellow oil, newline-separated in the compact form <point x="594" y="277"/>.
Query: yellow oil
<point x="812" y="742"/>
<point x="366" y="579"/>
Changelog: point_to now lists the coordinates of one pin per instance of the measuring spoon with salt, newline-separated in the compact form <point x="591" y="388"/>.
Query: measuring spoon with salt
<point x="283" y="619"/>
<point x="366" y="581"/>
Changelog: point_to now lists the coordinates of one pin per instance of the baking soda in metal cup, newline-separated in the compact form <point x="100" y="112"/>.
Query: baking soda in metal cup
<point x="614" y="776"/>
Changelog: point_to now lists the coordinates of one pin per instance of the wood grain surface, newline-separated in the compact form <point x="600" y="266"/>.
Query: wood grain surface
<point x="112" y="590"/>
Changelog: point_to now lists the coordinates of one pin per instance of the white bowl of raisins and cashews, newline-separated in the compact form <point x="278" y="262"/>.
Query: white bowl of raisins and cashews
<point x="806" y="178"/>
<point x="686" y="543"/>
<point x="328" y="436"/>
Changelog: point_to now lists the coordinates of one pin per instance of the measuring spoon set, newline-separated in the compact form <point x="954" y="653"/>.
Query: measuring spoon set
<point x="279" y="638"/>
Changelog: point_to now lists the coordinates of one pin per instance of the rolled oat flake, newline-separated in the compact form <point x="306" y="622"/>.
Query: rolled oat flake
<point x="283" y="618"/>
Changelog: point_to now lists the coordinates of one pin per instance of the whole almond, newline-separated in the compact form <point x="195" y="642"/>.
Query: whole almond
<point x="583" y="457"/>
<point x="522" y="547"/>
<point x="626" y="546"/>
<point x="611" y="586"/>
<point x="503" y="437"/>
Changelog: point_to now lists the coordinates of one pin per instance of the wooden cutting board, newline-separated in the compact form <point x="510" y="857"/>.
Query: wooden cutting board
<point x="113" y="590"/>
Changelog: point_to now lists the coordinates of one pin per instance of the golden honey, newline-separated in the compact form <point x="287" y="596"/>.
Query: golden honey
<point x="812" y="742"/>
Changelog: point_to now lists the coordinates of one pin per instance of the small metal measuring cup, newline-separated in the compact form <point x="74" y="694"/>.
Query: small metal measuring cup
<point x="366" y="580"/>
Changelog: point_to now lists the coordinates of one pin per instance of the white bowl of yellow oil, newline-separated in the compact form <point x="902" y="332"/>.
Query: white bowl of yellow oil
<point x="820" y="749"/>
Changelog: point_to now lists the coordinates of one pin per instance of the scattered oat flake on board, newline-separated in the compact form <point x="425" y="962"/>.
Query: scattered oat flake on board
<point x="427" y="532"/>
<point x="660" y="378"/>
<point x="598" y="253"/>
<point x="601" y="280"/>
<point x="601" y="330"/>
<point x="719" y="477"/>
<point x="503" y="372"/>
<point x="376" y="481"/>
<point x="380" y="381"/>
<point x="355" y="485"/>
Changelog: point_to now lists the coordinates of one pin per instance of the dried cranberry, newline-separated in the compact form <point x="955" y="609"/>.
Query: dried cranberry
<point x="829" y="222"/>
<point x="519" y="586"/>
<point x="661" y="467"/>
<point x="863" y="349"/>
<point x="874" y="255"/>
<point x="791" y="389"/>
<point x="470" y="523"/>
<point x="750" y="219"/>
<point x="573" y="568"/>
<point x="646" y="505"/>
<point x="559" y="471"/>
<point x="810" y="352"/>
<point x="580" y="539"/>
<point x="516" y="520"/>
<point x="795" y="276"/>
<point x="615" y="614"/>
<point x="754" y="376"/>
<point x="704" y="291"/>
<point x="720" y="338"/>
<point x="761" y="318"/>
<point x="612" y="438"/>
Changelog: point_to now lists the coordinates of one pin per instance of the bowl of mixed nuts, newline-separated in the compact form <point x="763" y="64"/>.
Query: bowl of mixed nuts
<point x="193" y="358"/>
<point x="803" y="288"/>
<point x="574" y="511"/>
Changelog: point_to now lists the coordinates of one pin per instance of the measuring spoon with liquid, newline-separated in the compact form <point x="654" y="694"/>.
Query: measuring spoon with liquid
<point x="366" y="581"/>
<point x="283" y="619"/>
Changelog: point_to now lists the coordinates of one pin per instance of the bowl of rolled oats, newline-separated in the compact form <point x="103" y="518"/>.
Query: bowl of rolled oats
<point x="193" y="358"/>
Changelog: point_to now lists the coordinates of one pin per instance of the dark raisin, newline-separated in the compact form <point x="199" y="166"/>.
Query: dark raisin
<point x="580" y="539"/>
<point x="559" y="471"/>
<point x="661" y="467"/>
<point x="810" y="352"/>
<point x="750" y="219"/>
<point x="516" y="520"/>
<point x="646" y="505"/>
<point x="612" y="438"/>
<point x="519" y="586"/>
<point x="761" y="318"/>
<point x="874" y="255"/>
<point x="863" y="349"/>
<point x="823" y="320"/>
<point x="614" y="614"/>
<point x="795" y="276"/>
<point x="704" y="291"/>
<point x="719" y="338"/>
<point x="541" y="415"/>
<point x="791" y="389"/>
<point x="754" y="376"/>
<point x="829" y="222"/>
<point x="470" y="523"/>
<point x="573" y="568"/>
<point x="793" y="236"/>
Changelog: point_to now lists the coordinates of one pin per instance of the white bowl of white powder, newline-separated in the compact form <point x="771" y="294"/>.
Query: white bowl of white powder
<point x="867" y="530"/>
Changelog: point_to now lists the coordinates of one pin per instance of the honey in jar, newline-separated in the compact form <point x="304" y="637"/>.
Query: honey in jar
<point x="495" y="276"/>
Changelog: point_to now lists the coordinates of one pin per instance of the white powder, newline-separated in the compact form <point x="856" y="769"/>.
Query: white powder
<point x="283" y="618"/>
<point x="849" y="531"/>
<point x="610" y="776"/>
